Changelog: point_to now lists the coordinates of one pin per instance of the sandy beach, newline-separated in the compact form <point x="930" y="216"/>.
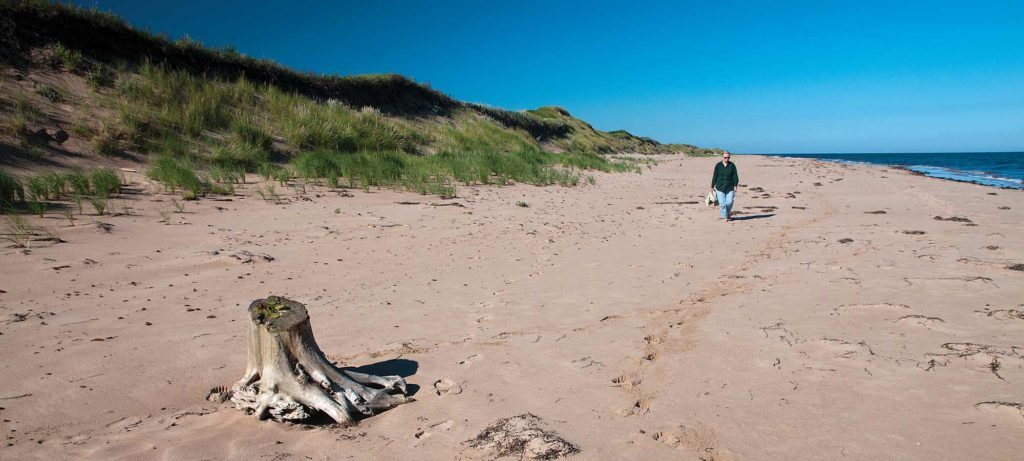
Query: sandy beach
<point x="836" y="318"/>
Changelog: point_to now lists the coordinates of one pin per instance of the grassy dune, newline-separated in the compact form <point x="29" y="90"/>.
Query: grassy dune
<point x="202" y="118"/>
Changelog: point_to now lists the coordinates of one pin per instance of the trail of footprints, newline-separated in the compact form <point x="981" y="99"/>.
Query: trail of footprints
<point x="632" y="381"/>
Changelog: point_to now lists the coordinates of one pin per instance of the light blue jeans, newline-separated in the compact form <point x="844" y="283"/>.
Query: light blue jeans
<point x="725" y="202"/>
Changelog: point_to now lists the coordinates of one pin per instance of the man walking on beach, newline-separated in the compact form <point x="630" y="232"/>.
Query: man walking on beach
<point x="724" y="183"/>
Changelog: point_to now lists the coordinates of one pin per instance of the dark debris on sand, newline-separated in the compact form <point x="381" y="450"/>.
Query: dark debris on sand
<point x="953" y="219"/>
<point x="522" y="437"/>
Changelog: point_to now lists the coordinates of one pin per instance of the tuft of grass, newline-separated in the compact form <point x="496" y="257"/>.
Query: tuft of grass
<point x="76" y="198"/>
<point x="20" y="233"/>
<point x="105" y="182"/>
<point x="70" y="60"/>
<point x="78" y="182"/>
<point x="269" y="194"/>
<point x="100" y="77"/>
<point x="82" y="130"/>
<point x="36" y="188"/>
<point x="106" y="144"/>
<point x="175" y="173"/>
<point x="70" y="216"/>
<point x="49" y="93"/>
<point x="99" y="203"/>
<point x="11" y="191"/>
<point x="178" y="206"/>
<point x="38" y="207"/>
<point x="55" y="185"/>
<point x="522" y="204"/>
<point x="23" y="115"/>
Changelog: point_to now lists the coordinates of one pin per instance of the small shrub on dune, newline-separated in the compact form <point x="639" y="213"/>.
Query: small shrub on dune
<point x="105" y="182"/>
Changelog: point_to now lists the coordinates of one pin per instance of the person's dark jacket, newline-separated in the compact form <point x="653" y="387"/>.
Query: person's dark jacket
<point x="725" y="178"/>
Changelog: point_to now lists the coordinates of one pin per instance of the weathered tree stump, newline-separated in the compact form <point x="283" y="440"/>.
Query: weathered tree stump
<point x="288" y="378"/>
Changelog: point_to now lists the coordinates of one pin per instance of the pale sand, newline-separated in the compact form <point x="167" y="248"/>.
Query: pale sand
<point x="761" y="339"/>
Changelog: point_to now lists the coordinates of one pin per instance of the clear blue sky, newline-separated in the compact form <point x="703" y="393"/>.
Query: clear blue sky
<point x="756" y="76"/>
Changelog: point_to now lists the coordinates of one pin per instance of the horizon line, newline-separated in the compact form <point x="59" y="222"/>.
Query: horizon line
<point x="882" y="153"/>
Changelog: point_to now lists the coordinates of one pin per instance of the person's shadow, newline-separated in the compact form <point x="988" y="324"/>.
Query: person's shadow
<point x="753" y="216"/>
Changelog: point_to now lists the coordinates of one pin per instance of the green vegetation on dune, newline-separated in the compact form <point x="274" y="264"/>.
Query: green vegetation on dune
<point x="35" y="193"/>
<point x="203" y="117"/>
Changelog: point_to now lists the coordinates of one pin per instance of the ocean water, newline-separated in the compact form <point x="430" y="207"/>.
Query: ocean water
<point x="996" y="169"/>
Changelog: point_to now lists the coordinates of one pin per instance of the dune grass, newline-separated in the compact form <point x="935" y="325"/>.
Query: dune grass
<point x="105" y="182"/>
<point x="35" y="193"/>
<point x="206" y="116"/>
<point x="11" y="192"/>
<point x="177" y="173"/>
<point x="19" y="232"/>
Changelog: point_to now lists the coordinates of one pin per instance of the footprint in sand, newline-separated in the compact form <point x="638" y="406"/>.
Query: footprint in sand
<point x="423" y="434"/>
<point x="917" y="319"/>
<point x="446" y="386"/>
<point x="641" y="406"/>
<point x="700" y="440"/>
<point x="1003" y="314"/>
<point x="628" y="381"/>
<point x="869" y="307"/>
<point x="469" y="360"/>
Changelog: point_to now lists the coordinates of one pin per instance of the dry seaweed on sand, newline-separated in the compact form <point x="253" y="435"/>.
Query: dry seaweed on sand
<point x="522" y="437"/>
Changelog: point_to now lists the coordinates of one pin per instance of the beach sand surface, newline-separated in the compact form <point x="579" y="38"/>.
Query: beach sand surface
<point x="836" y="318"/>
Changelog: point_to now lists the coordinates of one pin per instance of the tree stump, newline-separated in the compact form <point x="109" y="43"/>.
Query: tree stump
<point x="288" y="378"/>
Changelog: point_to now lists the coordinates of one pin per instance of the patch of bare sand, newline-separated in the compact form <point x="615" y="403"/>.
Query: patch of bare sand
<point x="629" y="320"/>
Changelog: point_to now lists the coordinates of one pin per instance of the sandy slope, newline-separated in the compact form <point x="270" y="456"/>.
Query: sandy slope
<point x="631" y="321"/>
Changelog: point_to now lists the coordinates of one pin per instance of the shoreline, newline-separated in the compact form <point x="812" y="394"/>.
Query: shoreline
<point x="900" y="167"/>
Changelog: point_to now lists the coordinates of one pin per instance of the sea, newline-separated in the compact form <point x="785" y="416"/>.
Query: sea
<point x="996" y="169"/>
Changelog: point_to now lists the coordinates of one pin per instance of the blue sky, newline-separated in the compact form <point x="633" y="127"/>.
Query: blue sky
<point x="756" y="76"/>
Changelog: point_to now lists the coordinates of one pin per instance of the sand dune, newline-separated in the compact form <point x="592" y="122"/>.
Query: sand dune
<point x="837" y="318"/>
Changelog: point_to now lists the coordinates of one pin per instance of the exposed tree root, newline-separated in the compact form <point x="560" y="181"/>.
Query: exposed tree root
<point x="287" y="377"/>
